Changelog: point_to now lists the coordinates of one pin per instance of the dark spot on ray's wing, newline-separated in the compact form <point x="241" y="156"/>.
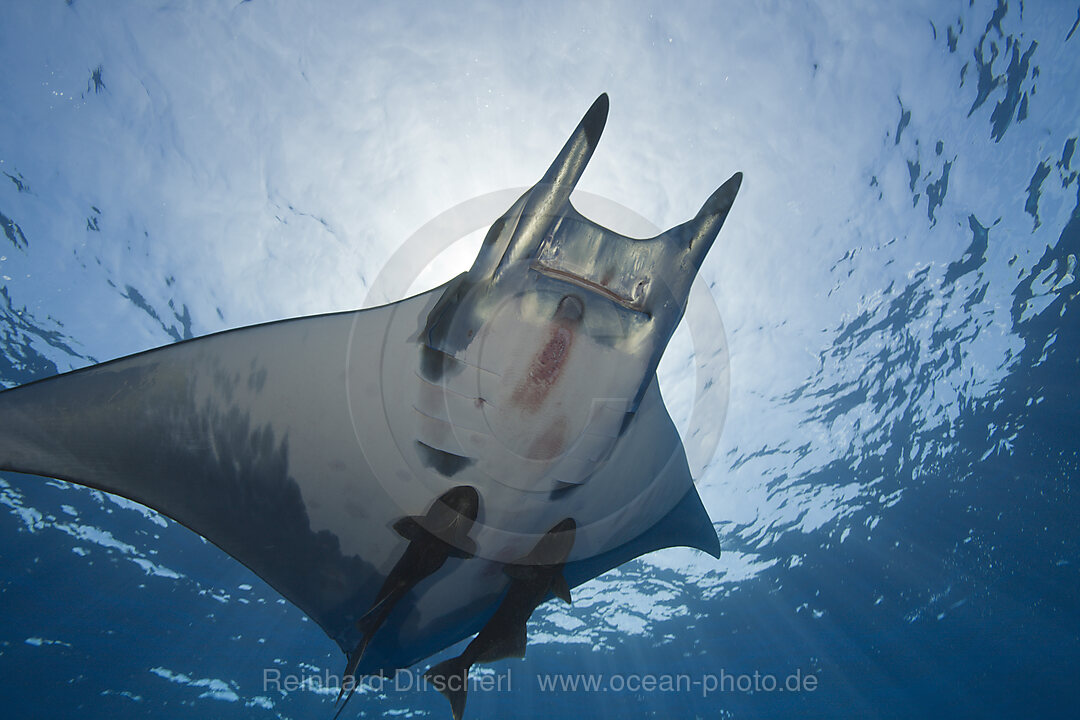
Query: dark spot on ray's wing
<point x="435" y="364"/>
<point x="562" y="490"/>
<point x="431" y="363"/>
<point x="440" y="461"/>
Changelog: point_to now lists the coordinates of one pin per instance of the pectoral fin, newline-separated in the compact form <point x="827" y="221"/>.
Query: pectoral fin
<point x="247" y="438"/>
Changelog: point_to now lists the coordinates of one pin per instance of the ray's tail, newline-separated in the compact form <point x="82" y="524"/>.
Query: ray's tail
<point x="451" y="678"/>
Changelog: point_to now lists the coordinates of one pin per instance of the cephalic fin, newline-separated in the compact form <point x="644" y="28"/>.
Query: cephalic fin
<point x="699" y="233"/>
<point x="546" y="199"/>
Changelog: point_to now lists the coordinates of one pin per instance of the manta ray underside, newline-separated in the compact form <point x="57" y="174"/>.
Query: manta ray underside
<point x="459" y="425"/>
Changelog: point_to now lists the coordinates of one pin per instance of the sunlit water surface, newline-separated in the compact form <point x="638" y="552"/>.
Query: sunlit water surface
<point x="895" y="485"/>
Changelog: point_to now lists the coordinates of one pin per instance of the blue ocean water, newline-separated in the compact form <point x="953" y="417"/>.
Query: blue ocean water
<point x="894" y="484"/>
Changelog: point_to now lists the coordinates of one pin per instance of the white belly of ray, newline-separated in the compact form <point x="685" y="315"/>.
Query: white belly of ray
<point x="527" y="405"/>
<point x="519" y="446"/>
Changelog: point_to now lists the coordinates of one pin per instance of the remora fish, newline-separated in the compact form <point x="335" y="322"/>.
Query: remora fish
<point x="294" y="446"/>
<point x="442" y="532"/>
<point x="532" y="579"/>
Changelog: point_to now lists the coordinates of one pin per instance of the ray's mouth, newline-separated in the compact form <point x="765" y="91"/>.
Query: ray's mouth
<point x="632" y="298"/>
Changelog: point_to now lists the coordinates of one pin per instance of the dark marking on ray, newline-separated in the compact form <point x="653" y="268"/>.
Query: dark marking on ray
<point x="551" y="442"/>
<point x="436" y="365"/>
<point x="562" y="490"/>
<point x="544" y="369"/>
<point x="442" y="462"/>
